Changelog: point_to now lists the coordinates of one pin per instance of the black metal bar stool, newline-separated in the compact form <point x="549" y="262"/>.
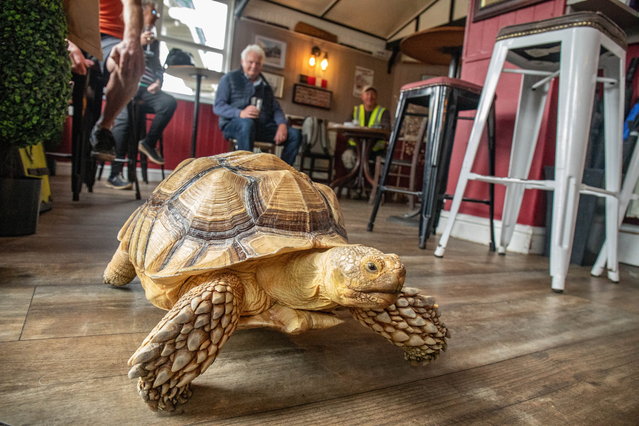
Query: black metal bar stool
<point x="445" y="97"/>
<point x="87" y="104"/>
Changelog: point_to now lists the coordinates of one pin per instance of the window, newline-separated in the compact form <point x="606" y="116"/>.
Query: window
<point x="203" y="29"/>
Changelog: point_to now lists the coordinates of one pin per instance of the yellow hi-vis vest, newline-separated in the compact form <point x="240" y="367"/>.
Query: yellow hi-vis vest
<point x="375" y="119"/>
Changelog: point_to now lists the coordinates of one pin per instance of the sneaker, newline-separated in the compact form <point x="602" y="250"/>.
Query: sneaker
<point x="118" y="182"/>
<point x="102" y="143"/>
<point x="153" y="155"/>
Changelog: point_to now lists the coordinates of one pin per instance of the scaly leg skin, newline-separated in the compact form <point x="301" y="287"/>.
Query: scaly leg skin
<point x="187" y="340"/>
<point x="289" y="320"/>
<point x="120" y="270"/>
<point x="412" y="323"/>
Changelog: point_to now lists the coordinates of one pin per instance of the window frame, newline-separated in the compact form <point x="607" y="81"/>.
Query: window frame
<point x="226" y="52"/>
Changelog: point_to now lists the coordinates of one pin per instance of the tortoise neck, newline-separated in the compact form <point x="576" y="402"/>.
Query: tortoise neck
<point x="296" y="280"/>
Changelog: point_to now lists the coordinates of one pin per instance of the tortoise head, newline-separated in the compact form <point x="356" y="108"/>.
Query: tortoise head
<point x="362" y="277"/>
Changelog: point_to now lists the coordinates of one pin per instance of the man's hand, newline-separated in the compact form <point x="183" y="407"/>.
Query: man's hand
<point x="154" y="87"/>
<point x="79" y="63"/>
<point x="250" y="112"/>
<point x="146" y="38"/>
<point x="281" y="134"/>
<point x="129" y="60"/>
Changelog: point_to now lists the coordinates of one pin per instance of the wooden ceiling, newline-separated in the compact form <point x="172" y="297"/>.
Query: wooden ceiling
<point x="381" y="19"/>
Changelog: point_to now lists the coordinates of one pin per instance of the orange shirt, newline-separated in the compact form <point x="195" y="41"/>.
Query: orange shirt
<point x="111" y="21"/>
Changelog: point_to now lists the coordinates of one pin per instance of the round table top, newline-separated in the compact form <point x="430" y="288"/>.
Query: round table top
<point x="433" y="46"/>
<point x="186" y="71"/>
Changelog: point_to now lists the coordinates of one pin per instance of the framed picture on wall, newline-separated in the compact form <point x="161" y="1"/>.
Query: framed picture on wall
<point x="489" y="8"/>
<point x="276" y="82"/>
<point x="274" y="50"/>
<point x="363" y="77"/>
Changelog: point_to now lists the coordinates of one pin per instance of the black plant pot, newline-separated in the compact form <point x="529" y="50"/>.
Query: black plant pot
<point x="19" y="206"/>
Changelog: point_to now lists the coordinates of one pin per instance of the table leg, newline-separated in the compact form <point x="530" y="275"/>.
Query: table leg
<point x="196" y="113"/>
<point x="366" y="147"/>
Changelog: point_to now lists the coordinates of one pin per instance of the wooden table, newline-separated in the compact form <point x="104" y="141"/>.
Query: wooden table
<point x="365" y="138"/>
<point x="436" y="46"/>
<point x="186" y="72"/>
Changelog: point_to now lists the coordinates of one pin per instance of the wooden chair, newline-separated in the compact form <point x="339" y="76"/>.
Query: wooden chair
<point x="258" y="146"/>
<point x="315" y="149"/>
<point x="403" y="169"/>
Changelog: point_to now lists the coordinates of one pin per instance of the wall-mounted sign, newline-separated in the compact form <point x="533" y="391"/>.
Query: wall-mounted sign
<point x="312" y="96"/>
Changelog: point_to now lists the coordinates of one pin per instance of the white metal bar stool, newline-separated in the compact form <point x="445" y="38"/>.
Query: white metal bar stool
<point x="572" y="47"/>
<point x="626" y="195"/>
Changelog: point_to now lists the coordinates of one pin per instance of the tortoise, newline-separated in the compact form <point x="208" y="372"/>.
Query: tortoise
<point x="245" y="240"/>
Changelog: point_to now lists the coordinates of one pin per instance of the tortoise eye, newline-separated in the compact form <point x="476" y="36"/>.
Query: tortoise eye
<point x="371" y="267"/>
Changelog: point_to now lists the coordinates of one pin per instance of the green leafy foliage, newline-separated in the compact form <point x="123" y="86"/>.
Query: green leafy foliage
<point x="34" y="72"/>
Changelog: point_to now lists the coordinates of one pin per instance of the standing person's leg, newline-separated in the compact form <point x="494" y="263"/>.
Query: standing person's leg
<point x="291" y="145"/>
<point x="120" y="133"/>
<point x="163" y="105"/>
<point x="101" y="138"/>
<point x="243" y="131"/>
<point x="120" y="89"/>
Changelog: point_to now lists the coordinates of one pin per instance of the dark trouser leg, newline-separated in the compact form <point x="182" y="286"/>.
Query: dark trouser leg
<point x="243" y="131"/>
<point x="163" y="106"/>
<point x="120" y="133"/>
<point x="291" y="145"/>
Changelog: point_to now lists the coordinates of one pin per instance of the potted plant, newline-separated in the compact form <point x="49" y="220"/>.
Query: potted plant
<point x="34" y="90"/>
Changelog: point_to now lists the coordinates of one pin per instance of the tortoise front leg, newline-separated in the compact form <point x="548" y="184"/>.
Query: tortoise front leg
<point x="120" y="270"/>
<point x="412" y="323"/>
<point x="187" y="340"/>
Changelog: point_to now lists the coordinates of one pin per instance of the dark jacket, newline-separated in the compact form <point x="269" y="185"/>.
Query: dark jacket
<point x="234" y="93"/>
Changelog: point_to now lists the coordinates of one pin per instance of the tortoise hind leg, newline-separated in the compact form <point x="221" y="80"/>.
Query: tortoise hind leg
<point x="187" y="340"/>
<point x="120" y="270"/>
<point x="412" y="323"/>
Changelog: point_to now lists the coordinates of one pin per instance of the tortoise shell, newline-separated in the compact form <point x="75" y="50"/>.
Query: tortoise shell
<point x="219" y="211"/>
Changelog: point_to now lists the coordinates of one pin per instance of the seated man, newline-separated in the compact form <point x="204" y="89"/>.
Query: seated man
<point x="367" y="114"/>
<point x="263" y="119"/>
<point x="152" y="99"/>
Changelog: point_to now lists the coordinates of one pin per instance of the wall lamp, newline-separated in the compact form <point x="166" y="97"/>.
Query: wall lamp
<point x="316" y="53"/>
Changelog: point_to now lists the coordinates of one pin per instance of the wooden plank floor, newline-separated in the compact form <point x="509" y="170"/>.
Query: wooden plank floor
<point x="519" y="354"/>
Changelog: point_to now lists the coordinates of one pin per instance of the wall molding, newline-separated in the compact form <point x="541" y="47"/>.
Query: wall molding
<point x="526" y="239"/>
<point x="530" y="239"/>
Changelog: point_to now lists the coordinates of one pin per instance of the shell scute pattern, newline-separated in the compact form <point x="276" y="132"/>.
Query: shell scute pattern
<point x="219" y="211"/>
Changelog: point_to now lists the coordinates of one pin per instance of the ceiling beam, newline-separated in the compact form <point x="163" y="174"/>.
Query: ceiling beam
<point x="416" y="16"/>
<point x="239" y="7"/>
<point x="325" y="19"/>
<point x="328" y="9"/>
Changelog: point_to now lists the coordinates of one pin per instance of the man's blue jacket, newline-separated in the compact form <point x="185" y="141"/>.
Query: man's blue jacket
<point x="234" y="93"/>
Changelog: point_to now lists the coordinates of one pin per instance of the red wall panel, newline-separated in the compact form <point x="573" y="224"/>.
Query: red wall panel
<point x="177" y="135"/>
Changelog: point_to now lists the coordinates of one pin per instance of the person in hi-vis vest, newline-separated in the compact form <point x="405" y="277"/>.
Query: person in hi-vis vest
<point x="367" y="114"/>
